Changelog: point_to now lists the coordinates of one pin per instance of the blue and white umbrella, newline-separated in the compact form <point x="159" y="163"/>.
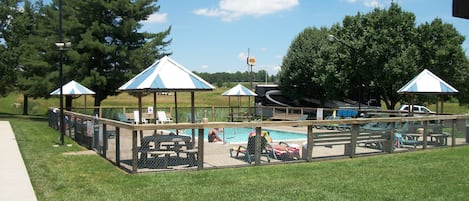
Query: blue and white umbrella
<point x="166" y="75"/>
<point x="239" y="90"/>
<point x="427" y="83"/>
<point x="73" y="88"/>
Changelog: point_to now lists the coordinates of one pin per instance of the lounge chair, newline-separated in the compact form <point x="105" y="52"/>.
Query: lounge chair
<point x="402" y="139"/>
<point x="137" y="118"/>
<point x="250" y="150"/>
<point x="123" y="118"/>
<point x="162" y="117"/>
<point x="286" y="151"/>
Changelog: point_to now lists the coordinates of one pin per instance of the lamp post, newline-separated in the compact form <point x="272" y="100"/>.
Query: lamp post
<point x="353" y="55"/>
<point x="62" y="46"/>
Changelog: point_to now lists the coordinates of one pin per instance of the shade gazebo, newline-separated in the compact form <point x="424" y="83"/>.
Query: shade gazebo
<point x="237" y="91"/>
<point x="166" y="75"/>
<point x="427" y="83"/>
<point x="73" y="89"/>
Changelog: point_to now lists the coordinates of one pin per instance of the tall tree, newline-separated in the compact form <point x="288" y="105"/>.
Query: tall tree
<point x="440" y="47"/>
<point x="108" y="44"/>
<point x="307" y="70"/>
<point x="10" y="13"/>
<point x="375" y="55"/>
<point x="36" y="53"/>
<point x="384" y="41"/>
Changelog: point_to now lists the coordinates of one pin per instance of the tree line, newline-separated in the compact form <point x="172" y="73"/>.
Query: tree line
<point x="220" y="79"/>
<point x="373" y="55"/>
<point x="108" y="47"/>
<point x="364" y="56"/>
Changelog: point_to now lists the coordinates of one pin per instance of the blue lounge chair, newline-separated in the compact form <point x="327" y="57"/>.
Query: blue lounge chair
<point x="402" y="139"/>
<point x="123" y="118"/>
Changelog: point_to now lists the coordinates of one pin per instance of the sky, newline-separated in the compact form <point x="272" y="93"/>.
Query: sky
<point x="218" y="35"/>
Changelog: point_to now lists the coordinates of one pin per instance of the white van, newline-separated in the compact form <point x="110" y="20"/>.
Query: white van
<point x="416" y="108"/>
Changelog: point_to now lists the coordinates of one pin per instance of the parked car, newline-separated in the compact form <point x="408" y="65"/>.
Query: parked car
<point x="416" y="108"/>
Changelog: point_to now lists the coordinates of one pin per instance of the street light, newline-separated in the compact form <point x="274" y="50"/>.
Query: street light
<point x="62" y="46"/>
<point x="353" y="55"/>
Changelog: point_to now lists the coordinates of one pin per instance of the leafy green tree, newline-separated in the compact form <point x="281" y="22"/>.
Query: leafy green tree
<point x="374" y="55"/>
<point x="307" y="70"/>
<point x="384" y="42"/>
<point x="440" y="47"/>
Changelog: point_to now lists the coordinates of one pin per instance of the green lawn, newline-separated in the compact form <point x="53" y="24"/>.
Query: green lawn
<point x="438" y="174"/>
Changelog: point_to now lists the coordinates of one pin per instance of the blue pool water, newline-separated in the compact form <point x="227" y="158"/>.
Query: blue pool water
<point x="240" y="135"/>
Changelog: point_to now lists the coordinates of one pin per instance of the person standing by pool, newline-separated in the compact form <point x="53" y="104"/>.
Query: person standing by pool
<point x="213" y="136"/>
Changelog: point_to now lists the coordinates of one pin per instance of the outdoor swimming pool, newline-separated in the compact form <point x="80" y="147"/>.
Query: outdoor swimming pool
<point x="240" y="135"/>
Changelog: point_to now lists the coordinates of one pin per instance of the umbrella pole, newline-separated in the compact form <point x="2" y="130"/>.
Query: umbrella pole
<point x="176" y="106"/>
<point x="154" y="113"/>
<point x="140" y="113"/>
<point x="85" y="102"/>
<point x="154" y="108"/>
<point x="230" y="108"/>
<point x="442" y="101"/>
<point x="193" y="117"/>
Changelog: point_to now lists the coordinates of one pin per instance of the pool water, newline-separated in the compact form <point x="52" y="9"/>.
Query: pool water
<point x="240" y="135"/>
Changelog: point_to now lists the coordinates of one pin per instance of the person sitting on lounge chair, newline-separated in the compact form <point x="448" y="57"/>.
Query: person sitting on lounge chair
<point x="213" y="136"/>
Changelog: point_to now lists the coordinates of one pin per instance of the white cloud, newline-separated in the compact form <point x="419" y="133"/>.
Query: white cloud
<point x="369" y="3"/>
<point x="157" y="18"/>
<point x="204" y="67"/>
<point x="229" y="10"/>
<point x="372" y="3"/>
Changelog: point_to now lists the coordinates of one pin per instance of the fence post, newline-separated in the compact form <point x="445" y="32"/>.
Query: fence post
<point x="200" y="149"/>
<point x="75" y="127"/>
<point x="353" y="141"/>
<point x="104" y="141"/>
<point x="425" y="134"/>
<point x="453" y="132"/>
<point x="391" y="139"/>
<point x="257" y="152"/>
<point x="134" y="151"/>
<point x="118" y="149"/>
<point x="308" y="153"/>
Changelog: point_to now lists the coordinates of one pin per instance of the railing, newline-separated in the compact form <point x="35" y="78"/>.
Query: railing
<point x="125" y="144"/>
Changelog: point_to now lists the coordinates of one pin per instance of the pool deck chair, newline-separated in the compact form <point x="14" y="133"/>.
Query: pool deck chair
<point x="162" y="117"/>
<point x="137" y="118"/>
<point x="250" y="150"/>
<point x="123" y="118"/>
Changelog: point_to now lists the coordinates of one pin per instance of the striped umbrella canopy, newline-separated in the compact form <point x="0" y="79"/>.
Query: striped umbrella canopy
<point x="427" y="83"/>
<point x="166" y="75"/>
<point x="73" y="88"/>
<point x="239" y="90"/>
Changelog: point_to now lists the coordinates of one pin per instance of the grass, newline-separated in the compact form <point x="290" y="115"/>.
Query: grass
<point x="437" y="174"/>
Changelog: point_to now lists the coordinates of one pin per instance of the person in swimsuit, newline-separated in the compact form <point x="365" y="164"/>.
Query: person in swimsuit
<point x="213" y="136"/>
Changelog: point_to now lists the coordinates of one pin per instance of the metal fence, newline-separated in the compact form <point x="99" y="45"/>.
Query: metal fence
<point x="184" y="146"/>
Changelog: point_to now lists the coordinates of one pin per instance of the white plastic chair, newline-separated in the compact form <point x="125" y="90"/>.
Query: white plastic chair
<point x="162" y="117"/>
<point x="137" y="118"/>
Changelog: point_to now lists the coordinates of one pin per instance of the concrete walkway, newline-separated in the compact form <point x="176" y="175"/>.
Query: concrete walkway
<point x="14" y="179"/>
